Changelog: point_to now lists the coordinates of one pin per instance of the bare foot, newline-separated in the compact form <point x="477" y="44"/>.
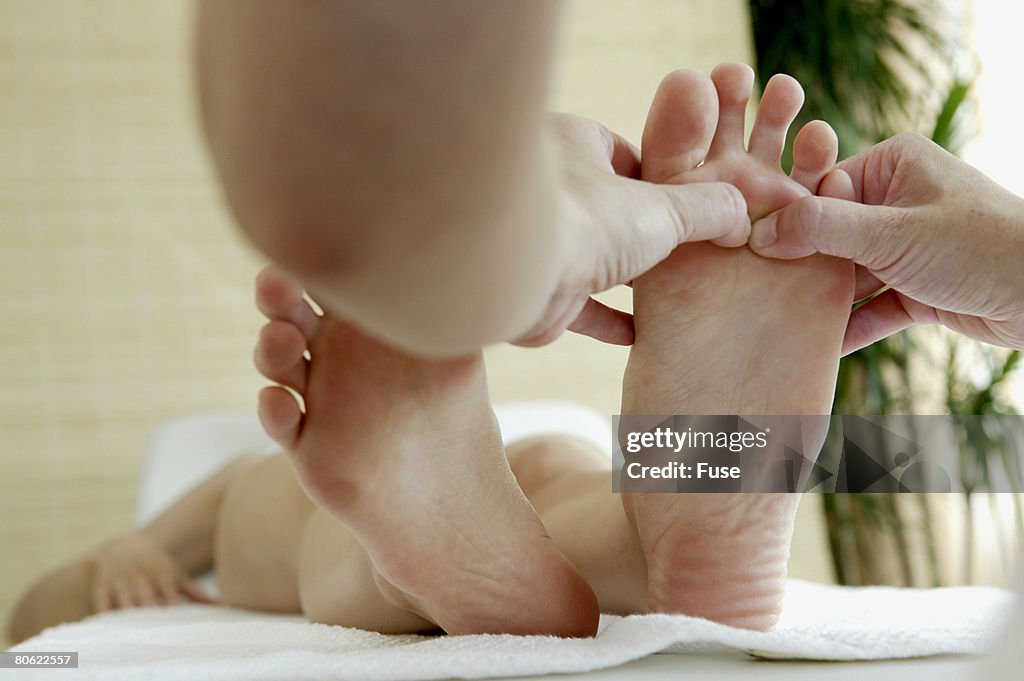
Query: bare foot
<point x="407" y="454"/>
<point x="723" y="331"/>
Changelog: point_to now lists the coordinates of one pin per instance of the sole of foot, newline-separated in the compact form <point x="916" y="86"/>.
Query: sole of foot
<point x="723" y="331"/>
<point x="407" y="454"/>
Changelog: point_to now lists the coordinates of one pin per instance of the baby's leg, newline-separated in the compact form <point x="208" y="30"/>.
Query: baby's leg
<point x="405" y="454"/>
<point x="290" y="556"/>
<point x="725" y="332"/>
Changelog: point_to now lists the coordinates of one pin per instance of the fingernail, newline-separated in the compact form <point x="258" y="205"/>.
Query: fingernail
<point x="763" y="232"/>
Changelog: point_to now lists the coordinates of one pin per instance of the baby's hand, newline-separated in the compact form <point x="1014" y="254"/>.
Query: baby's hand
<point x="134" y="571"/>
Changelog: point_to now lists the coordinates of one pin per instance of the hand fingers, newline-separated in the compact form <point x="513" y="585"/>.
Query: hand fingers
<point x="604" y="323"/>
<point x="883" y="316"/>
<point x="596" y="144"/>
<point x="709" y="211"/>
<point x="624" y="157"/>
<point x="837" y="185"/>
<point x="867" y="283"/>
<point x="872" y="170"/>
<point x="868" y="235"/>
<point x="649" y="221"/>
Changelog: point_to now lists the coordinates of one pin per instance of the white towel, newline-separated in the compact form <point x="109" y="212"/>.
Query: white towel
<point x="216" y="643"/>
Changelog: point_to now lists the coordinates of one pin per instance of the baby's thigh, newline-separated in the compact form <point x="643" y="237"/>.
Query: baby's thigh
<point x="259" y="527"/>
<point x="538" y="461"/>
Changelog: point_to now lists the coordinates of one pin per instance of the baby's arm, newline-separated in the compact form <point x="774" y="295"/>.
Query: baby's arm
<point x="149" y="566"/>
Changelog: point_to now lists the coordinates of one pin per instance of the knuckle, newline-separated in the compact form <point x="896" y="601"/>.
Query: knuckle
<point x="679" y="215"/>
<point x="735" y="201"/>
<point x="910" y="139"/>
<point x="684" y="207"/>
<point x="888" y="244"/>
<point x="912" y="149"/>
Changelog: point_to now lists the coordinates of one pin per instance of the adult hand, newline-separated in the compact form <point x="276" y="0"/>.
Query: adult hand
<point x="620" y="227"/>
<point x="453" y="227"/>
<point x="945" y="239"/>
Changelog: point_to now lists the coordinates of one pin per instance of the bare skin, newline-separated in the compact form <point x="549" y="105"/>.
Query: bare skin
<point x="150" y="566"/>
<point x="723" y="331"/>
<point x="297" y="556"/>
<point x="394" y="486"/>
<point x="944" y="238"/>
<point x="414" y="468"/>
<point x="452" y="201"/>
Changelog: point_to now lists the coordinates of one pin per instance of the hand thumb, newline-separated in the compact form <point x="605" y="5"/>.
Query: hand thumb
<point x="708" y="211"/>
<point x="868" y="235"/>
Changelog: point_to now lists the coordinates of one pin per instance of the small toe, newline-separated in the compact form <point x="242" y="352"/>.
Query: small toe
<point x="280" y="415"/>
<point x="279" y="355"/>
<point x="815" y="150"/>
<point x="680" y="125"/>
<point x="278" y="296"/>
<point x="734" y="83"/>
<point x="779" y="106"/>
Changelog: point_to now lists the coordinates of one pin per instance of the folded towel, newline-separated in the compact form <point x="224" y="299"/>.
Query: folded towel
<point x="820" y="622"/>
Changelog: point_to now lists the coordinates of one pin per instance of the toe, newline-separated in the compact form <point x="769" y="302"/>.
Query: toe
<point x="280" y="415"/>
<point x="779" y="106"/>
<point x="815" y="150"/>
<point x="278" y="296"/>
<point x="680" y="125"/>
<point x="279" y="355"/>
<point x="734" y="83"/>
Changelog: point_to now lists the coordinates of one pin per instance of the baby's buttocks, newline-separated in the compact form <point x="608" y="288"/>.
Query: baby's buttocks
<point x="259" y="527"/>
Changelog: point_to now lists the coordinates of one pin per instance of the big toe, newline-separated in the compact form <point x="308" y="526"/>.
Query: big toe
<point x="679" y="126"/>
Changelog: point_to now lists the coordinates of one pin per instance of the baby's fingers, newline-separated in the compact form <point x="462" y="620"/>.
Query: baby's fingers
<point x="145" y="596"/>
<point x="102" y="599"/>
<point x="168" y="591"/>
<point x="122" y="596"/>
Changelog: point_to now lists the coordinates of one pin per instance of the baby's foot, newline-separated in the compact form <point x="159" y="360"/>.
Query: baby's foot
<point x="723" y="331"/>
<point x="407" y="454"/>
